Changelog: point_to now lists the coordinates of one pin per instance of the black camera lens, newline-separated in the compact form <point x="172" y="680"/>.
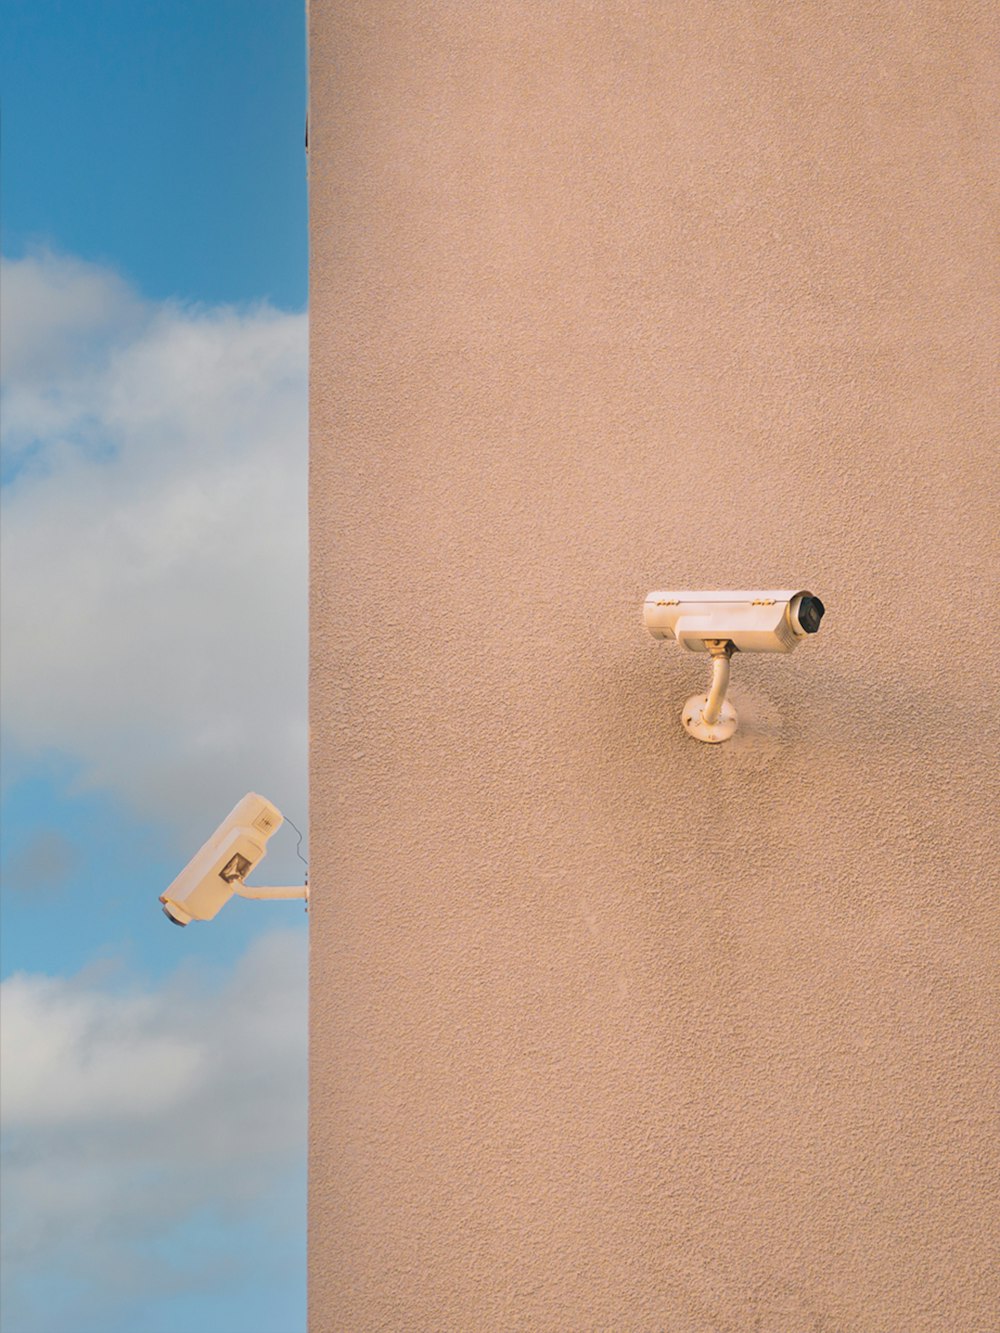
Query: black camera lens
<point x="810" y="613"/>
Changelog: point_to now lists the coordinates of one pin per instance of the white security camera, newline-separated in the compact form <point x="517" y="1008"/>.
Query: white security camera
<point x="218" y="870"/>
<point x="721" y="623"/>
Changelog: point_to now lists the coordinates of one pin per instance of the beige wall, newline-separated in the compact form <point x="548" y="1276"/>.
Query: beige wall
<point x="610" y="1029"/>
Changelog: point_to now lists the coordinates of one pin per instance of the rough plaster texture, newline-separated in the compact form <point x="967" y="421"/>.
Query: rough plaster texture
<point x="611" y="1029"/>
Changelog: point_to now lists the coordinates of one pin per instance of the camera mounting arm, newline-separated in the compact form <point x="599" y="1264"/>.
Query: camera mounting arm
<point x="253" y="891"/>
<point x="235" y="877"/>
<point x="711" y="717"/>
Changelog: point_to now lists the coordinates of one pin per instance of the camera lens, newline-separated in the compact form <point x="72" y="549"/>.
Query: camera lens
<point x="810" y="613"/>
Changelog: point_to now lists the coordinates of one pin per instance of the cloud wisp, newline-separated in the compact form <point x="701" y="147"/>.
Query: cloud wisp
<point x="154" y="542"/>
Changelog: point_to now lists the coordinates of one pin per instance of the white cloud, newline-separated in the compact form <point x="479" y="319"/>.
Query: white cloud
<point x="154" y="542"/>
<point x="125" y="1114"/>
<point x="58" y="318"/>
<point x="85" y="1055"/>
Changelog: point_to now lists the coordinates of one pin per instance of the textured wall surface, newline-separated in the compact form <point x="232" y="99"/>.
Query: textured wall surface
<point x="611" y="1029"/>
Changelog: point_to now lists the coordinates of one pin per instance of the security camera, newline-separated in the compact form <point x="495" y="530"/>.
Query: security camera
<point x="721" y="623"/>
<point x="219" y="869"/>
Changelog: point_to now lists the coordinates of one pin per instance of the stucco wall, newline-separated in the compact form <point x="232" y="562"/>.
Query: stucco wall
<point x="612" y="1029"/>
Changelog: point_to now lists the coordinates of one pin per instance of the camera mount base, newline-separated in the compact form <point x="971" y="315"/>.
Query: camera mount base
<point x="713" y="732"/>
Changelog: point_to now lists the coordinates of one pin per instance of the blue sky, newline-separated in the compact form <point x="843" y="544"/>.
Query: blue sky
<point x="153" y="659"/>
<point x="163" y="137"/>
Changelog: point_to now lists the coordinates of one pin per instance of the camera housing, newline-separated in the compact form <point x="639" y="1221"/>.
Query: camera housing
<point x="772" y="621"/>
<point x="218" y="869"/>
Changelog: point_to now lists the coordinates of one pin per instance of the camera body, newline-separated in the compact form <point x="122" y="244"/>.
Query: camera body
<point x="217" y="871"/>
<point x="752" y="621"/>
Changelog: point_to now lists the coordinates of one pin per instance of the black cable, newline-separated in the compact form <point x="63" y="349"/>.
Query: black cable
<point x="298" y="846"/>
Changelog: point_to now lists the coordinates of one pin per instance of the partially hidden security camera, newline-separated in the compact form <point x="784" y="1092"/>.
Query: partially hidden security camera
<point x="219" y="869"/>
<point x="722" y="623"/>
